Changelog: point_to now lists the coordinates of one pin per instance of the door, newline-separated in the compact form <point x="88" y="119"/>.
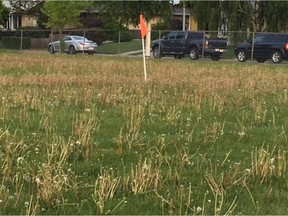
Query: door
<point x="168" y="42"/>
<point x="68" y="42"/>
<point x="179" y="43"/>
<point x="260" y="46"/>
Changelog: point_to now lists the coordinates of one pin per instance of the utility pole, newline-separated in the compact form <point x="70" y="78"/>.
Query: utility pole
<point x="184" y="16"/>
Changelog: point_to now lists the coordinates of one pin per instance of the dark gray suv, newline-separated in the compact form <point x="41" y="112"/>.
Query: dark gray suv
<point x="265" y="46"/>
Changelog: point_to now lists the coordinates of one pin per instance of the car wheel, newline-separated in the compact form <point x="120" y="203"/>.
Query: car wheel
<point x="51" y="49"/>
<point x="277" y="57"/>
<point x="215" y="58"/>
<point x="156" y="52"/>
<point x="260" y="60"/>
<point x="194" y="53"/>
<point x="242" y="56"/>
<point x="72" y="50"/>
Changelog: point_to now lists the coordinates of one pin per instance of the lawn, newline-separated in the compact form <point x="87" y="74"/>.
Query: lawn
<point x="118" y="48"/>
<point x="86" y="135"/>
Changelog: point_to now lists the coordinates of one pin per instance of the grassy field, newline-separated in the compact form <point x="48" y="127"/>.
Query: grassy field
<point x="85" y="135"/>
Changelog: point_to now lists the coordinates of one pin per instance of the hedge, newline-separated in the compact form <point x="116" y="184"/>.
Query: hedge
<point x="15" y="42"/>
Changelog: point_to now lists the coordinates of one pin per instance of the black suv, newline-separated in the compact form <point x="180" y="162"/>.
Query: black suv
<point x="265" y="46"/>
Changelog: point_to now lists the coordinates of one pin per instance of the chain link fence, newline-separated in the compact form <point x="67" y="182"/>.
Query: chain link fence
<point x="110" y="41"/>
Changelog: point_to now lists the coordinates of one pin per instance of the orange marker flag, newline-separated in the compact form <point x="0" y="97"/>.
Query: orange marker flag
<point x="143" y="26"/>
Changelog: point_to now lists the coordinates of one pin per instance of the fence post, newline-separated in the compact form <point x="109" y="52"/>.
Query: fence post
<point x="159" y="48"/>
<point x="252" y="51"/>
<point x="21" y="40"/>
<point x="203" y="45"/>
<point x="119" y="41"/>
<point x="84" y="35"/>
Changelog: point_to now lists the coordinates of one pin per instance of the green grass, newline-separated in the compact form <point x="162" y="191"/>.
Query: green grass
<point x="116" y="48"/>
<point x="86" y="135"/>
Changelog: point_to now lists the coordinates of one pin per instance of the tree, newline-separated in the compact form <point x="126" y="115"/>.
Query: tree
<point x="4" y="13"/>
<point x="18" y="5"/>
<point x="62" y="13"/>
<point x="127" y="12"/>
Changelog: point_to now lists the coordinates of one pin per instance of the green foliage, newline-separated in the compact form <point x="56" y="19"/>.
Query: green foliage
<point x="114" y="29"/>
<point x="33" y="32"/>
<point x="127" y="12"/>
<point x="62" y="13"/>
<point x="15" y="42"/>
<point x="4" y="13"/>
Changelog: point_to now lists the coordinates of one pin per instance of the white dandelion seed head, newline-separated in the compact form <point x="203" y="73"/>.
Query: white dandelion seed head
<point x="199" y="209"/>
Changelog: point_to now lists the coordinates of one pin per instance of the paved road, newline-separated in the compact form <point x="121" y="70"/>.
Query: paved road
<point x="138" y="54"/>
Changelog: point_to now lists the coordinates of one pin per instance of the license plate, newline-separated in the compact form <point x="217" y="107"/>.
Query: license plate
<point x="91" y="48"/>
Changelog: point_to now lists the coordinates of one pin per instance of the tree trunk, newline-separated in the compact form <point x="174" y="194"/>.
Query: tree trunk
<point x="62" y="44"/>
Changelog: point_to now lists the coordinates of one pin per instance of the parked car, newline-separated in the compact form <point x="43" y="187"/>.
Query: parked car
<point x="265" y="46"/>
<point x="73" y="44"/>
<point x="180" y="43"/>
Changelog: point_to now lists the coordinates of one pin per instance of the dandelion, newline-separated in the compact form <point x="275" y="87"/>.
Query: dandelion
<point x="199" y="209"/>
<point x="38" y="181"/>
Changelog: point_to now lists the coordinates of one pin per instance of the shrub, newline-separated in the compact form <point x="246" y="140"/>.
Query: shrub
<point x="157" y="27"/>
<point x="125" y="34"/>
<point x="33" y="32"/>
<point x="91" y="22"/>
<point x="7" y="34"/>
<point x="98" y="36"/>
<point x="15" y="42"/>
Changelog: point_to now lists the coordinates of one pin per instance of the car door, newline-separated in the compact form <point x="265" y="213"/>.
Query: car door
<point x="259" y="47"/>
<point x="168" y="43"/>
<point x="68" y="41"/>
<point x="179" y="42"/>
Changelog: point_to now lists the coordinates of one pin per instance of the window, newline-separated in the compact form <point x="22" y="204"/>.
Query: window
<point x="180" y="35"/>
<point x="66" y="38"/>
<point x="172" y="36"/>
<point x="259" y="39"/>
<point x="195" y="35"/>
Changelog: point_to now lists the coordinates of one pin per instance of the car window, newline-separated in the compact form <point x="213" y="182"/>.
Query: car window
<point x="66" y="38"/>
<point x="195" y="35"/>
<point x="259" y="39"/>
<point x="79" y="38"/>
<point x="180" y="35"/>
<point x="268" y="39"/>
<point x="278" y="38"/>
<point x="171" y="35"/>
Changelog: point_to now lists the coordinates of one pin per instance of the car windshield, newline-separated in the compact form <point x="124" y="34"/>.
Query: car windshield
<point x="80" y="38"/>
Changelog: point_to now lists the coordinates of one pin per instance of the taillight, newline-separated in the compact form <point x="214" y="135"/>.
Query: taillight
<point x="81" y="43"/>
<point x="286" y="46"/>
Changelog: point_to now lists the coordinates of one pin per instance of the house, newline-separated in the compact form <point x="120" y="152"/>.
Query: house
<point x="18" y="19"/>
